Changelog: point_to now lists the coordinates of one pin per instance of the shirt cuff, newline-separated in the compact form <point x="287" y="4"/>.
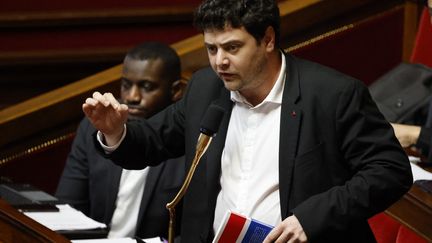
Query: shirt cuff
<point x="110" y="149"/>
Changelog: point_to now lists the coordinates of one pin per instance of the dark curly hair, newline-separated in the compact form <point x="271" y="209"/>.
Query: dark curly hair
<point x="254" y="15"/>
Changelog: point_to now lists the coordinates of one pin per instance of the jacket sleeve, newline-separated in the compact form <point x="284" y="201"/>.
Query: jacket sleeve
<point x="424" y="142"/>
<point x="73" y="185"/>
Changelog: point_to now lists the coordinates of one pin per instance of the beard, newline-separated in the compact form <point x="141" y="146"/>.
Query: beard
<point x="254" y="77"/>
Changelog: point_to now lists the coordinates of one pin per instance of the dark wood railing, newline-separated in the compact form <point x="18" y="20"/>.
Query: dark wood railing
<point x="76" y="39"/>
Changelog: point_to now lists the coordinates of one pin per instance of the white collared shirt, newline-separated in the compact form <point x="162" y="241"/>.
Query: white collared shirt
<point x="250" y="160"/>
<point x="125" y="216"/>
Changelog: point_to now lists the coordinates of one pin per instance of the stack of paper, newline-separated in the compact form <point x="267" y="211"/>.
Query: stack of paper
<point x="121" y="240"/>
<point x="418" y="172"/>
<point x="67" y="218"/>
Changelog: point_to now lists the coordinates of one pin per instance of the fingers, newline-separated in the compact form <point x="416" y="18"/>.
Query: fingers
<point x="105" y="100"/>
<point x="87" y="109"/>
<point x="274" y="234"/>
<point x="97" y="104"/>
<point x="112" y="101"/>
<point x="289" y="230"/>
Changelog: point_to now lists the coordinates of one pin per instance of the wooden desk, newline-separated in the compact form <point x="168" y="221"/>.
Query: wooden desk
<point x="15" y="227"/>
<point x="414" y="210"/>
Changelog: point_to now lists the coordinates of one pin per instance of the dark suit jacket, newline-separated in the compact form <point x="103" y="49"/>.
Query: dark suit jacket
<point x="90" y="183"/>
<point x="424" y="141"/>
<point x="339" y="161"/>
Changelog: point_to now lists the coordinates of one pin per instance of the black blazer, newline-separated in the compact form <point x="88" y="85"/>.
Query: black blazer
<point x="339" y="161"/>
<point x="90" y="183"/>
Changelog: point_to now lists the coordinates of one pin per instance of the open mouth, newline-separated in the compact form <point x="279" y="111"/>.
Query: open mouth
<point x="226" y="76"/>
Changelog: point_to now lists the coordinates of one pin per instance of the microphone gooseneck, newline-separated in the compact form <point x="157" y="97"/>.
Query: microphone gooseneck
<point x="208" y="129"/>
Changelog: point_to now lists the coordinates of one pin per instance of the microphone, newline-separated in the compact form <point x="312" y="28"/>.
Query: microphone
<point x="211" y="121"/>
<point x="208" y="128"/>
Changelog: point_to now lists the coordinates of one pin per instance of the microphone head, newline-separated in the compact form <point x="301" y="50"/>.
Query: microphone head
<point x="212" y="120"/>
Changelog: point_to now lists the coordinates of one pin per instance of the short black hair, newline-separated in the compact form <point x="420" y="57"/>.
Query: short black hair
<point x="157" y="50"/>
<point x="254" y="15"/>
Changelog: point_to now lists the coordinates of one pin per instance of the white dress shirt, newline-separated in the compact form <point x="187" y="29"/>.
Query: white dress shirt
<point x="250" y="160"/>
<point x="125" y="217"/>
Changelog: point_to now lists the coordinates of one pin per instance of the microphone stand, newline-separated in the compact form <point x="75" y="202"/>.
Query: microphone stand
<point x="209" y="126"/>
<point x="202" y="145"/>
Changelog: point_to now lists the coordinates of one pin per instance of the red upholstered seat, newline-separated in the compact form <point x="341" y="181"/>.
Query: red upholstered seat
<point x="422" y="51"/>
<point x="388" y="230"/>
<point x="384" y="228"/>
<point x="405" y="235"/>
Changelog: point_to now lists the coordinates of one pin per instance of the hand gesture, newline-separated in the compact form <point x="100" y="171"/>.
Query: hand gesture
<point x="107" y="115"/>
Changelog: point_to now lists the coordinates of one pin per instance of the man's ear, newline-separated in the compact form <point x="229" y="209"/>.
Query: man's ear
<point x="269" y="38"/>
<point x="177" y="89"/>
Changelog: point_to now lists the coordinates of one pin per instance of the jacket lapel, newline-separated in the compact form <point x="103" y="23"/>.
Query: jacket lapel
<point x="113" y="188"/>
<point x="290" y="122"/>
<point x="149" y="188"/>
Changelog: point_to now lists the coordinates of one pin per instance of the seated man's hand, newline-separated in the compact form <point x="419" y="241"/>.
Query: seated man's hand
<point x="107" y="115"/>
<point x="406" y="134"/>
<point x="289" y="230"/>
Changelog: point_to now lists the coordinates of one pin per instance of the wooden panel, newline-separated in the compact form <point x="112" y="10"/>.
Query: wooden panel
<point x="364" y="49"/>
<point x="40" y="166"/>
<point x="78" y="5"/>
<point x="414" y="210"/>
<point x="78" y="40"/>
<point x="99" y="16"/>
<point x="15" y="227"/>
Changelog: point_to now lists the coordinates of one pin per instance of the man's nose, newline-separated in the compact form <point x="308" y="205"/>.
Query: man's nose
<point x="134" y="95"/>
<point x="221" y="59"/>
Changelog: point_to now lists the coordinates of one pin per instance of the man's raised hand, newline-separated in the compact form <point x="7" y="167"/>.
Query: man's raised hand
<point x="107" y="115"/>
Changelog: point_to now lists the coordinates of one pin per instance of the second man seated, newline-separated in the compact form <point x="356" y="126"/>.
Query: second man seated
<point x="131" y="202"/>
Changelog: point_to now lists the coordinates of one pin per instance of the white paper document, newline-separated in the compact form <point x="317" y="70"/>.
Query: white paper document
<point x="67" y="218"/>
<point x="119" y="240"/>
<point x="418" y="172"/>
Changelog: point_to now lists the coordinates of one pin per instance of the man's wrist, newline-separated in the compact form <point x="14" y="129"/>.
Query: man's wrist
<point x="114" y="138"/>
<point x="110" y="148"/>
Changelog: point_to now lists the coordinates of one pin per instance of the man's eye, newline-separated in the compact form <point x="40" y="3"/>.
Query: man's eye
<point x="147" y="86"/>
<point x="211" y="49"/>
<point x="125" y="85"/>
<point x="232" y="48"/>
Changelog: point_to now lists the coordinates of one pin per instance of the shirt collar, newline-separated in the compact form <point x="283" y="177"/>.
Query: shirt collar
<point x="275" y="95"/>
